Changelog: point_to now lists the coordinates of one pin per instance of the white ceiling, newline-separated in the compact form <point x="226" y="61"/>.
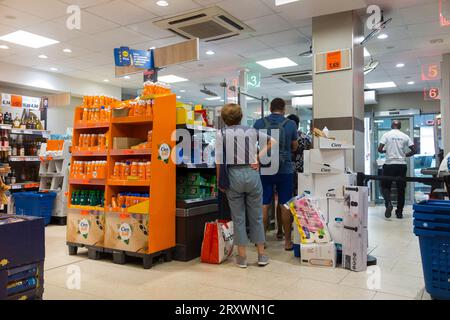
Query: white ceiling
<point x="279" y="32"/>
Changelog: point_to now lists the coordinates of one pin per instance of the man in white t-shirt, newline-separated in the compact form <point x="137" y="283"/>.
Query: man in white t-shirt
<point x="397" y="146"/>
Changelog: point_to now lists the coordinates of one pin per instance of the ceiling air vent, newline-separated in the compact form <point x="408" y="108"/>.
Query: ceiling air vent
<point x="209" y="24"/>
<point x="295" y="77"/>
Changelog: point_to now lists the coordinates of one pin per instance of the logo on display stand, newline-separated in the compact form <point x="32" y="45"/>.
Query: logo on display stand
<point x="83" y="228"/>
<point x="125" y="232"/>
<point x="164" y="152"/>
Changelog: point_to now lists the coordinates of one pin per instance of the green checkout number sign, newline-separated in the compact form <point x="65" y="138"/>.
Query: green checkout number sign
<point x="254" y="80"/>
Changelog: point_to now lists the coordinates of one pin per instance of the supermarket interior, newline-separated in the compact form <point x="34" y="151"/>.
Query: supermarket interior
<point x="114" y="119"/>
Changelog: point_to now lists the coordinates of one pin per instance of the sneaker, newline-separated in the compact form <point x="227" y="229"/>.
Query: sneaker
<point x="241" y="262"/>
<point x="263" y="260"/>
<point x="399" y="214"/>
<point x="388" y="212"/>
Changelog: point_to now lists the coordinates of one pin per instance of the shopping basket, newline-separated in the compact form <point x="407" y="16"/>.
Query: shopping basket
<point x="37" y="204"/>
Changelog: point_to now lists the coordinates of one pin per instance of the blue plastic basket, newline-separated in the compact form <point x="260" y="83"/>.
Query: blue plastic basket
<point x="433" y="206"/>
<point x="443" y="218"/>
<point x="431" y="225"/>
<point x="435" y="251"/>
<point x="35" y="204"/>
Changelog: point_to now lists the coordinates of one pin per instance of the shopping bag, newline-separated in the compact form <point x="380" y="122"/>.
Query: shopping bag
<point x="217" y="243"/>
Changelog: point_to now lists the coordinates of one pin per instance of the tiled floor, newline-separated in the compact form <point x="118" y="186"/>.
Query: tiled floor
<point x="397" y="276"/>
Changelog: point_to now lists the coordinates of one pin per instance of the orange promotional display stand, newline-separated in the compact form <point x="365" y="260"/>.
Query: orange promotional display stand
<point x="136" y="213"/>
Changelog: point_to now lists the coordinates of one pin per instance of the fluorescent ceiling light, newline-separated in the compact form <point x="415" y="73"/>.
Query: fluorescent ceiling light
<point x="400" y="65"/>
<point x="67" y="50"/>
<point x="249" y="98"/>
<point x="302" y="101"/>
<point x="411" y="83"/>
<point x="381" y="85"/>
<point x="127" y="77"/>
<point x="282" y="2"/>
<point x="162" y="3"/>
<point x="210" y="53"/>
<point x="213" y="98"/>
<point x="178" y="97"/>
<point x="54" y="69"/>
<point x="4" y="47"/>
<point x="28" y="39"/>
<point x="366" y="53"/>
<point x="105" y="80"/>
<point x="183" y="90"/>
<point x="277" y="63"/>
<point x="301" y="92"/>
<point x="42" y="56"/>
<point x="171" y="79"/>
<point x="383" y="36"/>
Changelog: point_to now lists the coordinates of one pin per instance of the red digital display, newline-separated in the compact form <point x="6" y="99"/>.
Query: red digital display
<point x="431" y="94"/>
<point x="431" y="71"/>
<point x="444" y="12"/>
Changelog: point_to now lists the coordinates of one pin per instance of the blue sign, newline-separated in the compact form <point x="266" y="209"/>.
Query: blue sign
<point x="125" y="57"/>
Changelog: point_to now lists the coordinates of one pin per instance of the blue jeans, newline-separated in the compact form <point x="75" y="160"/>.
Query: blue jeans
<point x="245" y="200"/>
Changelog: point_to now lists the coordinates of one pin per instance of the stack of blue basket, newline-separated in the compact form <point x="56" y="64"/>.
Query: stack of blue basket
<point x="432" y="226"/>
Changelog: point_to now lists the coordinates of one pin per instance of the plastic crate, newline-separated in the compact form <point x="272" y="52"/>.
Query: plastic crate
<point x="35" y="204"/>
<point x="442" y="218"/>
<point x="429" y="225"/>
<point x="433" y="206"/>
<point x="435" y="251"/>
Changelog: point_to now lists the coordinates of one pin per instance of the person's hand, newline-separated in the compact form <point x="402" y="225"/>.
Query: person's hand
<point x="255" y="166"/>
<point x="221" y="189"/>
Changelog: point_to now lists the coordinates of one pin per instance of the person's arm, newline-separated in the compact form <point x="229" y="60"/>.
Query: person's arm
<point x="382" y="144"/>
<point x="294" y="138"/>
<point x="218" y="177"/>
<point x="381" y="148"/>
<point x="294" y="146"/>
<point x="412" y="151"/>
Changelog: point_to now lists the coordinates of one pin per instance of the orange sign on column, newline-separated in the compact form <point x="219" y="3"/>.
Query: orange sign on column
<point x="334" y="60"/>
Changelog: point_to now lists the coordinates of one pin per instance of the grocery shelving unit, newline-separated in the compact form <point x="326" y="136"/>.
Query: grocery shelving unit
<point x="155" y="216"/>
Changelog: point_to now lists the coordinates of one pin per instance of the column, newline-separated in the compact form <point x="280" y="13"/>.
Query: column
<point x="339" y="95"/>
<point x="445" y="102"/>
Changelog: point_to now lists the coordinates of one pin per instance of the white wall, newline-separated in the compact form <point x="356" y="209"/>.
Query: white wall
<point x="407" y="100"/>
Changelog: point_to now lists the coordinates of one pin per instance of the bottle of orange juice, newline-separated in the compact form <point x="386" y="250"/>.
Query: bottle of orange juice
<point x="134" y="169"/>
<point x="127" y="170"/>
<point x="93" y="142"/>
<point x="84" y="116"/>
<point x="148" y="170"/>
<point x="141" y="170"/>
<point x="116" y="172"/>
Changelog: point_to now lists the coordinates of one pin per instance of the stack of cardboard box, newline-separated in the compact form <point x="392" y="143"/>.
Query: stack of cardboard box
<point x="325" y="178"/>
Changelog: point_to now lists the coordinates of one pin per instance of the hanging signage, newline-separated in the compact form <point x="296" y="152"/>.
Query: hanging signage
<point x="126" y="57"/>
<point x="444" y="12"/>
<point x="6" y="100"/>
<point x="31" y="102"/>
<point x="16" y="101"/>
<point x="333" y="61"/>
<point x="431" y="71"/>
<point x="254" y="80"/>
<point x="432" y="94"/>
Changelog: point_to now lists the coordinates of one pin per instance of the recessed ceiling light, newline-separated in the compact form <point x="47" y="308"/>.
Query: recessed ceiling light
<point x="411" y="83"/>
<point x="127" y="77"/>
<point x="42" y="56"/>
<point x="213" y="98"/>
<point x="54" y="69"/>
<point x="105" y="80"/>
<point x="301" y="92"/>
<point x="381" y="85"/>
<point x="28" y="39"/>
<point x="282" y="2"/>
<point x="400" y="65"/>
<point x="210" y="53"/>
<point x="178" y="97"/>
<point x="67" y="50"/>
<point x="383" y="36"/>
<point x="162" y="3"/>
<point x="302" y="101"/>
<point x="4" y="47"/>
<point x="183" y="90"/>
<point x="277" y="63"/>
<point x="249" y="98"/>
<point x="171" y="79"/>
<point x="366" y="53"/>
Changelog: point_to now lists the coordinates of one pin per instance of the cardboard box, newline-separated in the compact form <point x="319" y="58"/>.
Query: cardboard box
<point x="307" y="162"/>
<point x="332" y="186"/>
<point x="185" y="115"/>
<point x="357" y="206"/>
<point x="325" y="143"/>
<point x="122" y="143"/>
<point x="305" y="184"/>
<point x="86" y="227"/>
<point x="322" y="204"/>
<point x="354" y="249"/>
<point x="336" y="212"/>
<point x="127" y="232"/>
<point x="318" y="255"/>
<point x="327" y="161"/>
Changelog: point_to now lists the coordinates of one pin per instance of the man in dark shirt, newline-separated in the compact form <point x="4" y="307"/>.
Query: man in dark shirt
<point x="282" y="181"/>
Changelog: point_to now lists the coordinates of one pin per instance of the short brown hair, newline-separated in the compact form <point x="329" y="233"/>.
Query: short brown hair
<point x="277" y="104"/>
<point x="232" y="114"/>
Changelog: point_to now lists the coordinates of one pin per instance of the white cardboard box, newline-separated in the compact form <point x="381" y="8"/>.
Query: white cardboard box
<point x="322" y="204"/>
<point x="325" y="143"/>
<point x="357" y="206"/>
<point x="318" y="255"/>
<point x="354" y="249"/>
<point x="336" y="212"/>
<point x="332" y="186"/>
<point x="327" y="161"/>
<point x="307" y="162"/>
<point x="305" y="184"/>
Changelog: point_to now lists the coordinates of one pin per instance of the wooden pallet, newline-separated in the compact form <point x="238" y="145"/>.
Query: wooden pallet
<point x="120" y="257"/>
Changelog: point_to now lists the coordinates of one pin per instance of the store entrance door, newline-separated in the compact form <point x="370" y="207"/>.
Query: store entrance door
<point x="382" y="125"/>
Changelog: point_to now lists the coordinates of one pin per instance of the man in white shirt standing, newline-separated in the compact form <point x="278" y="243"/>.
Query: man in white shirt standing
<point x="397" y="146"/>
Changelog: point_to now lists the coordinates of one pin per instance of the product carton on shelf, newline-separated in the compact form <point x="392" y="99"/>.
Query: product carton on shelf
<point x="336" y="212"/>
<point x="354" y="249"/>
<point x="318" y="255"/>
<point x="326" y="161"/>
<point x="185" y="114"/>
<point x="86" y="227"/>
<point x="127" y="232"/>
<point x="357" y="206"/>
<point x="322" y="204"/>
<point x="296" y="240"/>
<point x="332" y="186"/>
<point x="305" y="184"/>
<point x="330" y="144"/>
<point x="123" y="143"/>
